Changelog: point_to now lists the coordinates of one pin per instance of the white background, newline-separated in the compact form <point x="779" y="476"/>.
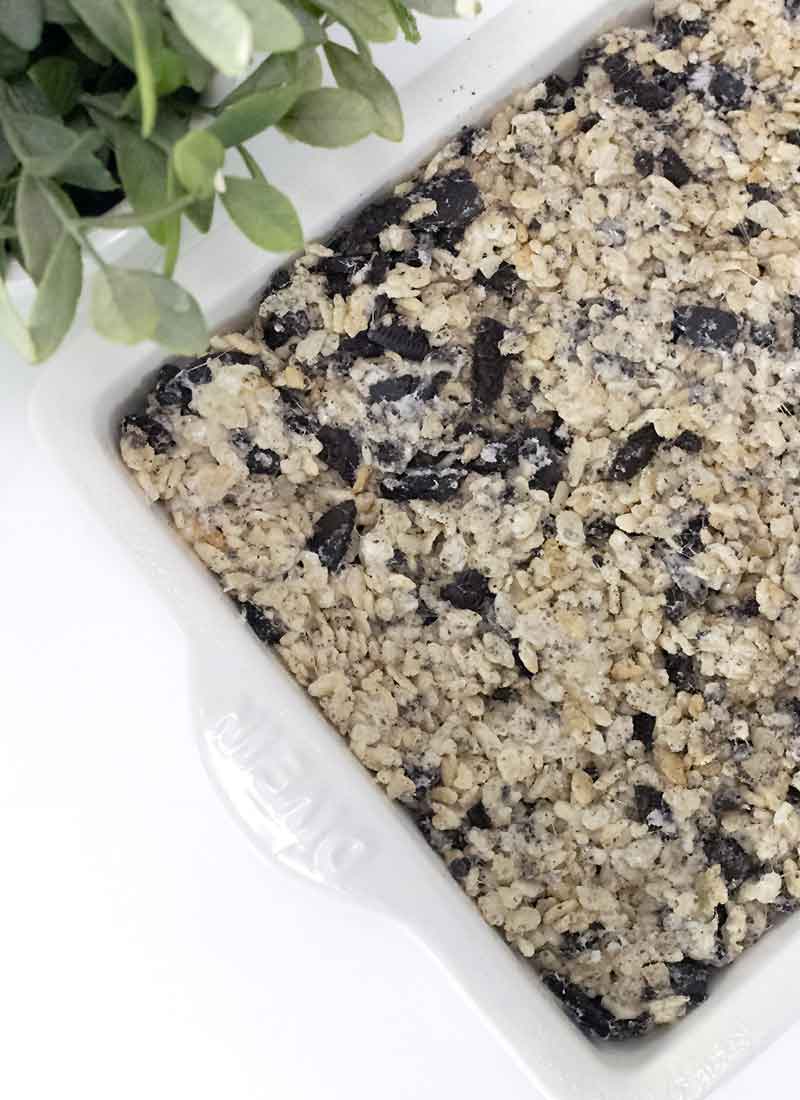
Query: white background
<point x="145" y="949"/>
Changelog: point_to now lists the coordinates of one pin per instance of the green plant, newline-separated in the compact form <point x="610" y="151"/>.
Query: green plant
<point x="105" y="100"/>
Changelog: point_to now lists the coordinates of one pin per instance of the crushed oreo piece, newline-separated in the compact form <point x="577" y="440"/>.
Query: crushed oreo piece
<point x="497" y="456"/>
<point x="460" y="868"/>
<point x="458" y="200"/>
<point x="153" y="432"/>
<point x="688" y="441"/>
<point x="633" y="88"/>
<point x="689" y="978"/>
<point x="681" y="671"/>
<point x="339" y="451"/>
<point x="598" y="531"/>
<point x="649" y="800"/>
<point x="736" y="864"/>
<point x="332" y="533"/>
<point x="427" y="614"/>
<point x="673" y="31"/>
<point x="674" y="168"/>
<point x="468" y="590"/>
<point x="504" y="281"/>
<point x="263" y="460"/>
<point x="489" y="365"/>
<point x="278" y="330"/>
<point x="644" y="729"/>
<point x="763" y="336"/>
<point x="267" y="627"/>
<point x="361" y="236"/>
<point x="478" y="817"/>
<point x="677" y="603"/>
<point x="296" y="416"/>
<point x="410" y="343"/>
<point x="638" y="450"/>
<point x="423" y="483"/>
<point x="644" y="162"/>
<point x="394" y="388"/>
<point x="727" y="87"/>
<point x="171" y="390"/>
<point x="538" y="448"/>
<point x="705" y="326"/>
<point x="589" y="1013"/>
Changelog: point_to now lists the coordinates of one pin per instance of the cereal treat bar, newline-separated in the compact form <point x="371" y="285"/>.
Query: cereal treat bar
<point x="508" y="474"/>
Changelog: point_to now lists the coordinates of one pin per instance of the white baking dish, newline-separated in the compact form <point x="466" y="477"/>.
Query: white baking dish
<point x="284" y="772"/>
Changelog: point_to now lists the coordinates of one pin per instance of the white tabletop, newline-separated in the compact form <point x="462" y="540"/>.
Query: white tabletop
<point x="145" y="949"/>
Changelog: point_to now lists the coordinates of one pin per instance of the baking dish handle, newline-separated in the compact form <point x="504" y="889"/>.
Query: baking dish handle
<point x="292" y="783"/>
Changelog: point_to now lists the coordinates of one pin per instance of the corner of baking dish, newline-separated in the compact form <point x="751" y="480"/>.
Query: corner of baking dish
<point x="283" y="771"/>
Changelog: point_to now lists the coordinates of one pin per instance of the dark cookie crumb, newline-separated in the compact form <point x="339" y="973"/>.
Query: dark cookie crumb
<point x="339" y="451"/>
<point x="736" y="864"/>
<point x="644" y="729"/>
<point x="266" y="626"/>
<point x="705" y="327"/>
<point x="689" y="441"/>
<point x="690" y="978"/>
<point x="638" y="450"/>
<point x="423" y="483"/>
<point x="263" y="460"/>
<point x="153" y="433"/>
<point x="332" y="534"/>
<point x="278" y="330"/>
<point x="468" y="590"/>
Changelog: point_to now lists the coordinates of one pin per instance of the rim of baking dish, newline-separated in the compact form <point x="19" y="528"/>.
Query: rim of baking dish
<point x="286" y="775"/>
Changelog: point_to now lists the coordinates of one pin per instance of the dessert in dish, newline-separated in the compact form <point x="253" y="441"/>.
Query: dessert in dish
<point x="507" y="475"/>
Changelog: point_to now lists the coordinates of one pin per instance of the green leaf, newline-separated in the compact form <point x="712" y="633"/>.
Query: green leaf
<point x="446" y="9"/>
<point x="38" y="225"/>
<point x="8" y="162"/>
<point x="57" y="298"/>
<point x="352" y="71"/>
<point x="219" y="29"/>
<point x="172" y="225"/>
<point x="59" y="11"/>
<point x="48" y="148"/>
<point x="12" y="59"/>
<point x="23" y="95"/>
<point x="201" y="213"/>
<point x="146" y="38"/>
<point x="21" y="22"/>
<point x="275" y="28"/>
<point x="133" y="305"/>
<point x="197" y="157"/>
<point x="88" y="45"/>
<point x="86" y="42"/>
<point x="107" y="22"/>
<point x="263" y="213"/>
<point x="374" y="20"/>
<point x="302" y="68"/>
<point x="249" y="116"/>
<point x="198" y="70"/>
<point x="13" y="328"/>
<point x="408" y="24"/>
<point x="309" y="70"/>
<point x="313" y="34"/>
<point x="123" y="307"/>
<point x="59" y="80"/>
<point x="172" y="72"/>
<point x="250" y="163"/>
<point x="329" y="117"/>
<point x="180" y="327"/>
<point x="142" y="169"/>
